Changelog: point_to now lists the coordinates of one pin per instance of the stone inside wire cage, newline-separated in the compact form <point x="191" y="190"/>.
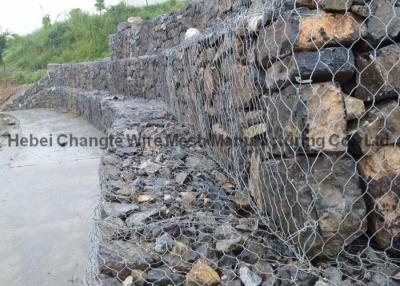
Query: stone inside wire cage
<point x="296" y="181"/>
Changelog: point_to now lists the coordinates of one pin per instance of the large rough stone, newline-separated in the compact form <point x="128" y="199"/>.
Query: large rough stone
<point x="164" y="277"/>
<point x="241" y="90"/>
<point x="138" y="277"/>
<point x="164" y="243"/>
<point x="255" y="130"/>
<point x="380" y="172"/>
<point x="247" y="119"/>
<point x="361" y="10"/>
<point x="331" y="5"/>
<point x="119" y="258"/>
<point x="379" y="127"/>
<point x="355" y="108"/>
<point x="123" y="26"/>
<point x="316" y="201"/>
<point x="384" y="23"/>
<point x="306" y="30"/>
<point x="202" y="274"/>
<point x="180" y="258"/>
<point x="225" y="5"/>
<point x="294" y="272"/>
<point x="379" y="75"/>
<point x="307" y="118"/>
<point x="192" y="34"/>
<point x="228" y="239"/>
<point x="111" y="227"/>
<point x="140" y="218"/>
<point x="119" y="209"/>
<point x="248" y="277"/>
<point x="330" y="64"/>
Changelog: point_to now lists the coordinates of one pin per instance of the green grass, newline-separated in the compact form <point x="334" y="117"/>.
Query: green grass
<point x="22" y="76"/>
<point x="82" y="37"/>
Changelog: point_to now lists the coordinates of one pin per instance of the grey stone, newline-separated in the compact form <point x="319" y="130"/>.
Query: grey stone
<point x="120" y="258"/>
<point x="135" y="21"/>
<point x="181" y="177"/>
<point x="336" y="5"/>
<point x="385" y="21"/>
<point x="288" y="273"/>
<point x="228" y="245"/>
<point x="329" y="64"/>
<point x="139" y="277"/>
<point x="248" y="277"/>
<point x="321" y="171"/>
<point x="164" y="243"/>
<point x="252" y="252"/>
<point x="192" y="34"/>
<point x="111" y="227"/>
<point x="164" y="277"/>
<point x="121" y="210"/>
<point x="123" y="26"/>
<point x="140" y="218"/>
<point x="150" y="168"/>
<point x="378" y="75"/>
<point x="104" y="280"/>
<point x="361" y="10"/>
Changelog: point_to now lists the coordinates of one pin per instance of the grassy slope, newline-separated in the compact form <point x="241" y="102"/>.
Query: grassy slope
<point x="9" y="89"/>
<point x="82" y="37"/>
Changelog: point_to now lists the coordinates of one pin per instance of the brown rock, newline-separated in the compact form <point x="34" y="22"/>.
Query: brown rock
<point x="379" y="76"/>
<point x="219" y="130"/>
<point x="255" y="130"/>
<point x="381" y="175"/>
<point x="306" y="119"/>
<point x="209" y="82"/>
<point x="257" y="181"/>
<point x="355" y="108"/>
<point x="306" y="30"/>
<point x="379" y="127"/>
<point x="144" y="199"/>
<point x="238" y="46"/>
<point x="202" y="274"/>
<point x="242" y="88"/>
<point x="382" y="164"/>
<point x="189" y="199"/>
<point x="316" y="201"/>
<point x="178" y="257"/>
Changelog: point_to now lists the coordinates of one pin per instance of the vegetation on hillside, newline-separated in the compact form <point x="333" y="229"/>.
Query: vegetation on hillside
<point x="81" y="37"/>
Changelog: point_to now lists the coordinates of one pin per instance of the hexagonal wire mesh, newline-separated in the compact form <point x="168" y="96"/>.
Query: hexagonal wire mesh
<point x="298" y="103"/>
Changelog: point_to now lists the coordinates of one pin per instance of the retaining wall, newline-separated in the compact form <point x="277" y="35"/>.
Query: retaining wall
<point x="312" y="92"/>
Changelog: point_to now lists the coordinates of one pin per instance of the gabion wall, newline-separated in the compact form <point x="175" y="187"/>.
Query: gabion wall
<point x="298" y="101"/>
<point x="304" y="96"/>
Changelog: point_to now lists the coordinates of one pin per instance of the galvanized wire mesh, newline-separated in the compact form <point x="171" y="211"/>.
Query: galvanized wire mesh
<point x="298" y="102"/>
